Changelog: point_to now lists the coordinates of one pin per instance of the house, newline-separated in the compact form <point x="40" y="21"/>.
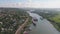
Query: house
<point x="1" y="23"/>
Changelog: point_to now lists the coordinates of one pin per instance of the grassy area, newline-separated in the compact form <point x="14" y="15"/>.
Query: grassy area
<point x="56" y="21"/>
<point x="56" y="18"/>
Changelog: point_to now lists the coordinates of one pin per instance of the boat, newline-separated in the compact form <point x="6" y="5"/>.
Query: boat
<point x="35" y="19"/>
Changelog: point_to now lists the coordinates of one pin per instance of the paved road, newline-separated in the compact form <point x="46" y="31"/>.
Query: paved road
<point x="43" y="26"/>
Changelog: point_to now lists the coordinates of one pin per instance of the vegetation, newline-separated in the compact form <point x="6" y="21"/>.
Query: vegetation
<point x="10" y="19"/>
<point x="52" y="15"/>
<point x="28" y="25"/>
<point x="56" y="21"/>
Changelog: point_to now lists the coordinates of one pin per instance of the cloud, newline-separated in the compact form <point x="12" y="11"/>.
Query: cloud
<point x="9" y="5"/>
<point x="51" y="4"/>
<point x="32" y="4"/>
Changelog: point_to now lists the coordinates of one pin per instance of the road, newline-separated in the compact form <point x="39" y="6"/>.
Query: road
<point x="21" y="27"/>
<point x="43" y="26"/>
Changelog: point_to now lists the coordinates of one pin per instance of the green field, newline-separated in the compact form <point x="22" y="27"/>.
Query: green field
<point x="56" y="21"/>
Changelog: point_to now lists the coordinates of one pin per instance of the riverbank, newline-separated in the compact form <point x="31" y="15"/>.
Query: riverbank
<point x="53" y="17"/>
<point x="54" y="24"/>
<point x="43" y="26"/>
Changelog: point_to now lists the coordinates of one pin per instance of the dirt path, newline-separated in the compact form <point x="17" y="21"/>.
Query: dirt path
<point x="22" y="26"/>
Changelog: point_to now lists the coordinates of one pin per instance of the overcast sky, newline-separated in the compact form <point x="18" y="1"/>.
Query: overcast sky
<point x="30" y="3"/>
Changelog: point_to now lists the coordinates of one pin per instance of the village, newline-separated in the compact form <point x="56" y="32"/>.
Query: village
<point x="10" y="21"/>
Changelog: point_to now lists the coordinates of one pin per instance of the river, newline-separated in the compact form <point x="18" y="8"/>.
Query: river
<point x="43" y="26"/>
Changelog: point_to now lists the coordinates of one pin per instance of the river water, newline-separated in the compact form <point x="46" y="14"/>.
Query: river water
<point x="43" y="26"/>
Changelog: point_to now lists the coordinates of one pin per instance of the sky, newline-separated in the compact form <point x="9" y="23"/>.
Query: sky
<point x="30" y="3"/>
